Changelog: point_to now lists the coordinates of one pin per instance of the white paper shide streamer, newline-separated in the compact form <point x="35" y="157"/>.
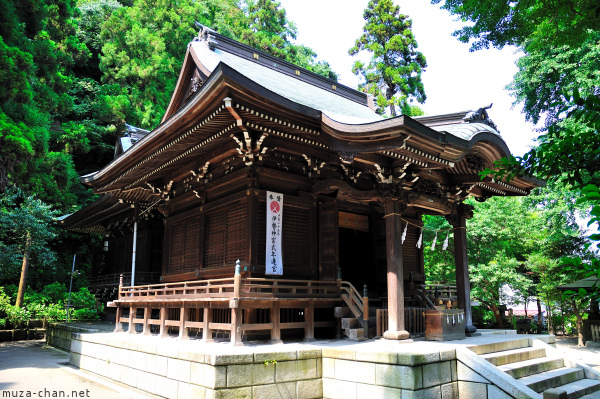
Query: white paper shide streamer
<point x="445" y="245"/>
<point x="434" y="241"/>
<point x="404" y="233"/>
<point x="274" y="264"/>
<point x="420" y="239"/>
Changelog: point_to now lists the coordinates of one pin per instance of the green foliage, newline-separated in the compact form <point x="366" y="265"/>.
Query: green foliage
<point x="50" y="304"/>
<point x="393" y="75"/>
<point x="539" y="22"/>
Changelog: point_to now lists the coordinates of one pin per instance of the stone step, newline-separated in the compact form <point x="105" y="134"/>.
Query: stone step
<point x="500" y="346"/>
<point x="350" y="322"/>
<point x="582" y="388"/>
<point x="514" y="355"/>
<point x="342" y="311"/>
<point x="532" y="366"/>
<point x="356" y="334"/>
<point x="553" y="378"/>
<point x="595" y="395"/>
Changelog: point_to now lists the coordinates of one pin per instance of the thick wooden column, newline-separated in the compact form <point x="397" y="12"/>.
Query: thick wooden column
<point x="146" y="327"/>
<point x="395" y="272"/>
<point x="275" y="320"/>
<point x="463" y="284"/>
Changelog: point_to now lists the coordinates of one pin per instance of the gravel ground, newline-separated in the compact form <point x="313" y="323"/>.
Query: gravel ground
<point x="590" y="356"/>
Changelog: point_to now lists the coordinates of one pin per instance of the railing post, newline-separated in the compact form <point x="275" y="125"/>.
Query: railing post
<point x="237" y="280"/>
<point x="366" y="311"/>
<point x="120" y="285"/>
<point x="234" y="304"/>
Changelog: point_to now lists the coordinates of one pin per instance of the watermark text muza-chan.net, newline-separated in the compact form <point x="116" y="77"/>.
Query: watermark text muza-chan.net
<point x="45" y="393"/>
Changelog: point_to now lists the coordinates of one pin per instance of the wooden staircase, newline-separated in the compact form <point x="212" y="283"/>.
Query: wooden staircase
<point x="542" y="368"/>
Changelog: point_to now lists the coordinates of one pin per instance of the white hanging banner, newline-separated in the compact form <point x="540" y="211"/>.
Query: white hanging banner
<point x="274" y="263"/>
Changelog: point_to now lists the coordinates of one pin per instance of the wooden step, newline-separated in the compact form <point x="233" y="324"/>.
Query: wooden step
<point x="532" y="366"/>
<point x="553" y="378"/>
<point x="514" y="355"/>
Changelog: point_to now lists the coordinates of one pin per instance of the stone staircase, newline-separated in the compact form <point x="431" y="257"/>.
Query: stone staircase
<point x="542" y="368"/>
<point x="350" y="326"/>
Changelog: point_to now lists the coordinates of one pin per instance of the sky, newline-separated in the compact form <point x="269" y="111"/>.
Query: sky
<point x="455" y="79"/>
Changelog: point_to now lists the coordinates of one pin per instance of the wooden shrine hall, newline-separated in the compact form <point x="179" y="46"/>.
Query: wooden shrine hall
<point x="296" y="176"/>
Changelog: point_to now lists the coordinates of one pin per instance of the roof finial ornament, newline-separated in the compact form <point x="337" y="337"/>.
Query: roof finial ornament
<point x="481" y="116"/>
<point x="205" y="35"/>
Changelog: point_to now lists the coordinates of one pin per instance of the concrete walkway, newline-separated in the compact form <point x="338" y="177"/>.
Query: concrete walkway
<point x="31" y="369"/>
<point x="588" y="355"/>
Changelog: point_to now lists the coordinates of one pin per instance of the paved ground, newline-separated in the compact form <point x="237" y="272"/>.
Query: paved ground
<point x="591" y="356"/>
<point x="30" y="369"/>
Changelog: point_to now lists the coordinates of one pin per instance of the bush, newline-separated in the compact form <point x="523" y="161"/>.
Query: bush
<point x="55" y="293"/>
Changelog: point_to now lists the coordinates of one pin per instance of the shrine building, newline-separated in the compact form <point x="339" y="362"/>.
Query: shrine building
<point x="320" y="199"/>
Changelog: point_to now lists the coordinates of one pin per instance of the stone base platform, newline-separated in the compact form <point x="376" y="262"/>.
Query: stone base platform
<point x="174" y="368"/>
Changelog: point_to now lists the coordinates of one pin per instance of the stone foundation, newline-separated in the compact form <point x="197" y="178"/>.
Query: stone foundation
<point x="175" y="368"/>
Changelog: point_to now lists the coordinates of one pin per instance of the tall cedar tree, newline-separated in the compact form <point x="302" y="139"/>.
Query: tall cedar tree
<point x="393" y="75"/>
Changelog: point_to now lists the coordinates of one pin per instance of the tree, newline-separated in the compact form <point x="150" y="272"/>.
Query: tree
<point x="393" y="75"/>
<point x="539" y="22"/>
<point x="27" y="223"/>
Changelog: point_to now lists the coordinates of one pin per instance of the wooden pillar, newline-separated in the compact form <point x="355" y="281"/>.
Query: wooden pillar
<point x="309" y="317"/>
<point x="236" y="324"/>
<point x="183" y="316"/>
<point x="395" y="273"/>
<point x="163" y="318"/>
<point x="206" y="320"/>
<point x="132" y="312"/>
<point x="275" y="320"/>
<point x="118" y="324"/>
<point x="146" y="327"/>
<point x="458" y="220"/>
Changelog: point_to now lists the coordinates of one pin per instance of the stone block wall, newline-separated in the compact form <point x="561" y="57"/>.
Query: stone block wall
<point x="179" y="369"/>
<point x="172" y="370"/>
<point x="59" y="334"/>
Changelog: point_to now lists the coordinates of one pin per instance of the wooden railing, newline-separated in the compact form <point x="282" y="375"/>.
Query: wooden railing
<point x="359" y="306"/>
<point x="414" y="321"/>
<point x="113" y="279"/>
<point x="225" y="288"/>
<point x="445" y="292"/>
<point x="197" y="305"/>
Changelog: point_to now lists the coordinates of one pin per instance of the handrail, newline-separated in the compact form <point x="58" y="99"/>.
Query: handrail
<point x="358" y="305"/>
<point x="225" y="288"/>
